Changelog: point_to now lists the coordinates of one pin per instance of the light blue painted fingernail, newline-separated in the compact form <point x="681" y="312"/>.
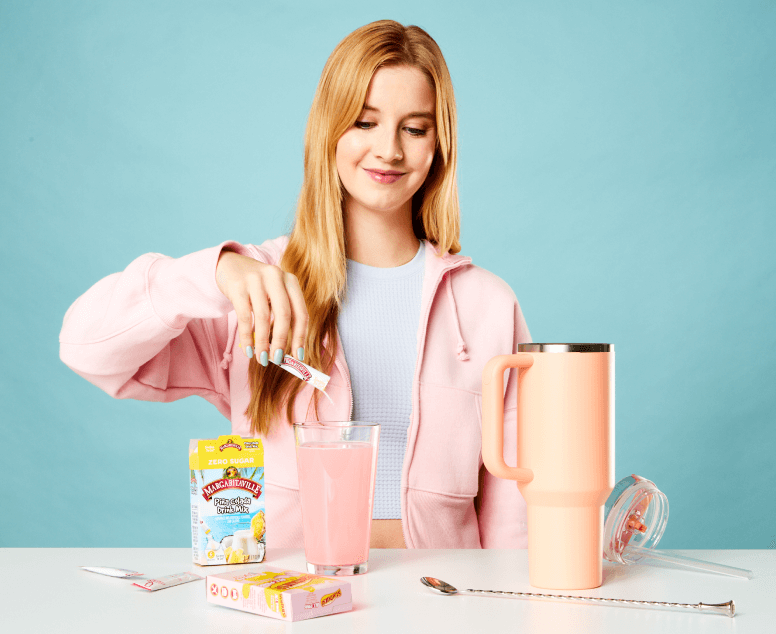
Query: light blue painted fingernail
<point x="279" y="354"/>
<point x="300" y="354"/>
<point x="264" y="358"/>
<point x="249" y="352"/>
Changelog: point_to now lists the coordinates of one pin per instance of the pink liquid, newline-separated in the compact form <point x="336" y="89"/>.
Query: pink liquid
<point x="336" y="483"/>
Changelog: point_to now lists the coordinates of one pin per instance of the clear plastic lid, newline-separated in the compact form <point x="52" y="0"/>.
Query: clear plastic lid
<point x="635" y="514"/>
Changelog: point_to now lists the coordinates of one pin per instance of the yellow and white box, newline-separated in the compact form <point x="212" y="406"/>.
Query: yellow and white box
<point x="228" y="524"/>
<point x="279" y="593"/>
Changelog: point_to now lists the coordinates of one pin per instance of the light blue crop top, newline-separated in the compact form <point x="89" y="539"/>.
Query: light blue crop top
<point x="378" y="326"/>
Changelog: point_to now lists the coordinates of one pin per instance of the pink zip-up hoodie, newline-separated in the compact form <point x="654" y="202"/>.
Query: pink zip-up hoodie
<point x="162" y="330"/>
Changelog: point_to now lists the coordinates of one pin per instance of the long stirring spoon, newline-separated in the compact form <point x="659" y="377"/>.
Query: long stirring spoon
<point x="727" y="609"/>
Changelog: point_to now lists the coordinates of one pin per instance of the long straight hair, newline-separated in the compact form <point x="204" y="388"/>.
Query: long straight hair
<point x="316" y="249"/>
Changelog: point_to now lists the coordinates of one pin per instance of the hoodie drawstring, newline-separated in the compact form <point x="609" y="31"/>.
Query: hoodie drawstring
<point x="227" y="358"/>
<point x="461" y="348"/>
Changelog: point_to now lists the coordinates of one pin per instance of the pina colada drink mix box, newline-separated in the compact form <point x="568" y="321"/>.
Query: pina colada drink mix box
<point x="279" y="593"/>
<point x="228" y="524"/>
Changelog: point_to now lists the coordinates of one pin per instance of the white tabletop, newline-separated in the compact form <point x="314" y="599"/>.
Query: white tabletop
<point x="43" y="590"/>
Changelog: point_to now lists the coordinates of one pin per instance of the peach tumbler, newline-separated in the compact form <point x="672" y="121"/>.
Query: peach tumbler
<point x="565" y="453"/>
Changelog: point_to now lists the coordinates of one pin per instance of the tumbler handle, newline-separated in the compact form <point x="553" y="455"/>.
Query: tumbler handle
<point x="493" y="416"/>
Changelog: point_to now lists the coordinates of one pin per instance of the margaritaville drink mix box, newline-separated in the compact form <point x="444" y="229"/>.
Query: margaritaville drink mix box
<point x="279" y="593"/>
<point x="227" y="500"/>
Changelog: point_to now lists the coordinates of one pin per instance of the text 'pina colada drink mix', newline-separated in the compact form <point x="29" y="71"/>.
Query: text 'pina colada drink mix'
<point x="228" y="525"/>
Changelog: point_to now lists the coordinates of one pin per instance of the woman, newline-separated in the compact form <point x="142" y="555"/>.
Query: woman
<point x="370" y="273"/>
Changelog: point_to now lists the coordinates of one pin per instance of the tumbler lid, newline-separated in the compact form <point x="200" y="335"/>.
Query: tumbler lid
<point x="636" y="514"/>
<point x="565" y="347"/>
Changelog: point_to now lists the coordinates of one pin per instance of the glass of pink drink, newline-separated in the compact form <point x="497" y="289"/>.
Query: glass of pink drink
<point x="336" y="462"/>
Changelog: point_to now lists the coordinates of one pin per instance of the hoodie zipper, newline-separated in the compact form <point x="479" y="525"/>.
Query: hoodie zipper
<point x="416" y="379"/>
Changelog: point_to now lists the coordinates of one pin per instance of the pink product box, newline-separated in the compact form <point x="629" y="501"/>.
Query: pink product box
<point x="279" y="593"/>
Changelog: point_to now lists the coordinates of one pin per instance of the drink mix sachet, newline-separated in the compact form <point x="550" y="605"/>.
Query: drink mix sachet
<point x="228" y="524"/>
<point x="307" y="373"/>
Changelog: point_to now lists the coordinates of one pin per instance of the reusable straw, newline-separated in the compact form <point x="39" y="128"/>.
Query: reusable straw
<point x="631" y="552"/>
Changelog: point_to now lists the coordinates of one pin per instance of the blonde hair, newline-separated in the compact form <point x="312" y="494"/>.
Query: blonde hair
<point x="316" y="249"/>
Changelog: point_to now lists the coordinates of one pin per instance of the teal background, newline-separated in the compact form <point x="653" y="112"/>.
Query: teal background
<point x="617" y="169"/>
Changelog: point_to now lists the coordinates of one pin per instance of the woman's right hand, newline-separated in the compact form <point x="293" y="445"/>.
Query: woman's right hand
<point x="261" y="293"/>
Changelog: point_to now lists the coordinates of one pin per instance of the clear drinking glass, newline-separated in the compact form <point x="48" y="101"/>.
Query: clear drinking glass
<point x="336" y="462"/>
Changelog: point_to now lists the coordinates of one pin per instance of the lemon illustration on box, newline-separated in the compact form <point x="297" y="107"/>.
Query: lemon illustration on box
<point x="228" y="524"/>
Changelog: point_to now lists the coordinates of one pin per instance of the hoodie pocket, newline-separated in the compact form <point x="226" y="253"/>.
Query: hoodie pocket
<point x="447" y="452"/>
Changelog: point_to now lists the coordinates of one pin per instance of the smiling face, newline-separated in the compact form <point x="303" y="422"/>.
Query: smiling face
<point x="384" y="158"/>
